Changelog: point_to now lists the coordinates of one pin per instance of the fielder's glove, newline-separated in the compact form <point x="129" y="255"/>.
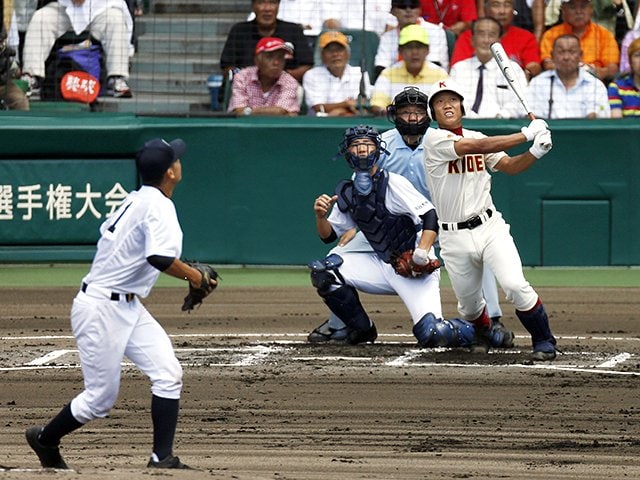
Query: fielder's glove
<point x="405" y="266"/>
<point x="542" y="144"/>
<point x="197" y="294"/>
<point x="535" y="127"/>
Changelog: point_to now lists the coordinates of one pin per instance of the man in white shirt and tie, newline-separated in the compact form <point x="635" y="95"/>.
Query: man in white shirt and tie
<point x="485" y="90"/>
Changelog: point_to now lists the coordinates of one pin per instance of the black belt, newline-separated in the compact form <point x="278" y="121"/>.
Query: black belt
<point x="128" y="297"/>
<point x="470" y="224"/>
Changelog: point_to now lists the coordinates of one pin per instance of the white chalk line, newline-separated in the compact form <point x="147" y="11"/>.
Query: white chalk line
<point x="257" y="354"/>
<point x="304" y="335"/>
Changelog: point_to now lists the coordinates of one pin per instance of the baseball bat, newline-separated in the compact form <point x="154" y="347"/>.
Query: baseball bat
<point x="504" y="63"/>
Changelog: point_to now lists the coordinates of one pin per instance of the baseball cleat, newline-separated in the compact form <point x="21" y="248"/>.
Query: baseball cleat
<point x="49" y="456"/>
<point x="324" y="333"/>
<point x="168" y="462"/>
<point x="501" y="336"/>
<point x="544" y="351"/>
<point x="362" y="336"/>
<point x="481" y="341"/>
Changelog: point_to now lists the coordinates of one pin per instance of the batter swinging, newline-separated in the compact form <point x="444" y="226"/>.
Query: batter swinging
<point x="472" y="231"/>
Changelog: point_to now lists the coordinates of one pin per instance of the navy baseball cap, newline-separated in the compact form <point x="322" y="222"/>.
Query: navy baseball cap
<point x="156" y="156"/>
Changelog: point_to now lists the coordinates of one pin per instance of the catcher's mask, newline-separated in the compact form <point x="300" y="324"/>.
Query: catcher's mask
<point x="362" y="165"/>
<point x="409" y="96"/>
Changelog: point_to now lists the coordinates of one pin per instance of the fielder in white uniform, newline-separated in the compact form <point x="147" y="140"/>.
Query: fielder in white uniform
<point x="472" y="231"/>
<point x="141" y="239"/>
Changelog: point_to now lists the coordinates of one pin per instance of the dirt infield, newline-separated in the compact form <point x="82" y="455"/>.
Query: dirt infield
<point x="260" y="403"/>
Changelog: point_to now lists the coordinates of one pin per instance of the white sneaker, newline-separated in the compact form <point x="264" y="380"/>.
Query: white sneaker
<point x="34" y="84"/>
<point x="118" y="87"/>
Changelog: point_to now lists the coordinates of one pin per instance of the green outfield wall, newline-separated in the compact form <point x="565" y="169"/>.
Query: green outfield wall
<point x="249" y="186"/>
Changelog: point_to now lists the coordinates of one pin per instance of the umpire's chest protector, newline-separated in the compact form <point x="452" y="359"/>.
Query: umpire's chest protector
<point x="388" y="234"/>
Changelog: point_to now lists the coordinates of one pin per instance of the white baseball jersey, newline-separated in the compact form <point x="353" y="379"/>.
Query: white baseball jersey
<point x="145" y="224"/>
<point x="460" y="189"/>
<point x="460" y="186"/>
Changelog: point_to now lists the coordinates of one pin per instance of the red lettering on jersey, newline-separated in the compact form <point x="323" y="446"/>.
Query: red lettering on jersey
<point x="468" y="164"/>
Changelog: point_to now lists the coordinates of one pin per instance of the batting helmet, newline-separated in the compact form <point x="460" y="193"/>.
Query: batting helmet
<point x="352" y="134"/>
<point x="446" y="85"/>
<point x="409" y="96"/>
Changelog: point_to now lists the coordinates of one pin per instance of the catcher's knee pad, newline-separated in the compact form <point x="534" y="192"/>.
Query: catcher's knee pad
<point x="425" y="330"/>
<point x="323" y="277"/>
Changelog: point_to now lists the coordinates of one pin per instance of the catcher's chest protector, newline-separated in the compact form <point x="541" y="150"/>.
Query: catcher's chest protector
<point x="388" y="234"/>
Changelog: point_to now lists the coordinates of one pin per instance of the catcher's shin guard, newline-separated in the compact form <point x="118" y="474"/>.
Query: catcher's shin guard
<point x="536" y="322"/>
<point x="464" y="333"/>
<point x="345" y="303"/>
<point x="425" y="330"/>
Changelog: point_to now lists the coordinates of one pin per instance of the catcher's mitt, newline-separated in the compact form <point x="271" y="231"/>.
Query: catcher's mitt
<point x="405" y="266"/>
<point x="196" y="295"/>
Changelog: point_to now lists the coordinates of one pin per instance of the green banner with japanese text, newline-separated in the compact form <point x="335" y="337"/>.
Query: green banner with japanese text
<point x="60" y="201"/>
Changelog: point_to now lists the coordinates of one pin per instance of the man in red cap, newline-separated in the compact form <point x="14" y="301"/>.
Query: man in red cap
<point x="265" y="88"/>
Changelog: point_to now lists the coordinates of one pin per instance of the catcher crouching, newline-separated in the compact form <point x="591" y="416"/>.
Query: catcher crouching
<point x="401" y="226"/>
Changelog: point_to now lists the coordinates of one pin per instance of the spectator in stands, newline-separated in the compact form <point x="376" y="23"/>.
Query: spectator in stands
<point x="408" y="12"/>
<point x="567" y="91"/>
<point x="306" y="13"/>
<point x="525" y="14"/>
<point x="239" y="48"/>
<point x="629" y="37"/>
<point x="265" y="88"/>
<point x="413" y="70"/>
<point x="347" y="14"/>
<point x="624" y="92"/>
<point x="333" y="89"/>
<point x="12" y="97"/>
<point x="109" y="22"/>
<point x="600" y="52"/>
<point x="605" y="13"/>
<point x="521" y="45"/>
<point x="23" y="10"/>
<point x="453" y="15"/>
<point x="481" y="83"/>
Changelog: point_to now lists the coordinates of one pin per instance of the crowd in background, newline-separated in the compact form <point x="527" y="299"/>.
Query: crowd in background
<point x="575" y="58"/>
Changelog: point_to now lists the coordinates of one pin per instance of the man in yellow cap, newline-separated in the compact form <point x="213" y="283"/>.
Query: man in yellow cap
<point x="412" y="70"/>
<point x="333" y="88"/>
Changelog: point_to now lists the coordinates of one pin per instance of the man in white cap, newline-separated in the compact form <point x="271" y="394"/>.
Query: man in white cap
<point x="472" y="231"/>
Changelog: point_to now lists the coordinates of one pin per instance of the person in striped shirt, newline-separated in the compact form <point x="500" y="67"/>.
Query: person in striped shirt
<point x="624" y="92"/>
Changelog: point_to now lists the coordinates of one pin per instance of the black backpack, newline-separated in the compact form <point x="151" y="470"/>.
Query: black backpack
<point x="56" y="66"/>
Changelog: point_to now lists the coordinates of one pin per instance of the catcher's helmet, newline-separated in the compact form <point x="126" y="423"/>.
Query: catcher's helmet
<point x="446" y="85"/>
<point x="409" y="96"/>
<point x="351" y="134"/>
